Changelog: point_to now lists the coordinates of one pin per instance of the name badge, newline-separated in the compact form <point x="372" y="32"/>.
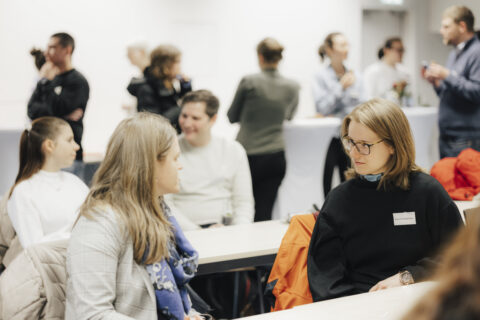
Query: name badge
<point x="58" y="90"/>
<point x="404" y="219"/>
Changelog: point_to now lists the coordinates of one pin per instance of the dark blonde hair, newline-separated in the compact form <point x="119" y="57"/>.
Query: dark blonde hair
<point x="327" y="43"/>
<point x="389" y="122"/>
<point x="461" y="13"/>
<point x="161" y="60"/>
<point x="457" y="292"/>
<point x="270" y="49"/>
<point x="125" y="181"/>
<point x="32" y="156"/>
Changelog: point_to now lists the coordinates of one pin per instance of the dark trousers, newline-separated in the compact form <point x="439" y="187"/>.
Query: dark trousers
<point x="336" y="157"/>
<point x="450" y="146"/>
<point x="267" y="172"/>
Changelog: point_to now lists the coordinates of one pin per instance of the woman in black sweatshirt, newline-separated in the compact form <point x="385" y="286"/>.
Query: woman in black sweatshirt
<point x="382" y="227"/>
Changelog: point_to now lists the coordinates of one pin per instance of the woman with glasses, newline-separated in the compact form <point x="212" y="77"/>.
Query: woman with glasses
<point x="381" y="227"/>
<point x="388" y="78"/>
<point x="336" y="89"/>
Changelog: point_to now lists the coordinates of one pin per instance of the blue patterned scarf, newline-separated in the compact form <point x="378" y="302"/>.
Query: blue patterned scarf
<point x="169" y="277"/>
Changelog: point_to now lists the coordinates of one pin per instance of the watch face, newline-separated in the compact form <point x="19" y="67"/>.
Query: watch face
<point x="406" y="278"/>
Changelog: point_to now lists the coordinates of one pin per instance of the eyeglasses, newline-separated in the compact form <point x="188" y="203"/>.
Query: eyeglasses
<point x="362" y="147"/>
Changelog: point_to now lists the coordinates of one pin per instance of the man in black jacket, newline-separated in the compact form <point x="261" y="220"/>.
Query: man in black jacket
<point x="62" y="91"/>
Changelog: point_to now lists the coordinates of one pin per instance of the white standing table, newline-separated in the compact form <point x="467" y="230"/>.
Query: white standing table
<point x="385" y="304"/>
<point x="306" y="145"/>
<point x="246" y="245"/>
<point x="423" y="123"/>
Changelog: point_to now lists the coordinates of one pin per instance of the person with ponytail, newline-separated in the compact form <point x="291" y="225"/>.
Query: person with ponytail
<point x="261" y="103"/>
<point x="44" y="201"/>
<point x="336" y="90"/>
<point x="388" y="78"/>
<point x="128" y="257"/>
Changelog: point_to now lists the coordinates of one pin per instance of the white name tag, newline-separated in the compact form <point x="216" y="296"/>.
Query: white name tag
<point x="58" y="90"/>
<point x="404" y="218"/>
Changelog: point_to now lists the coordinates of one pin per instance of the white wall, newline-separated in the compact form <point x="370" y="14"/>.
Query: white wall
<point x="218" y="38"/>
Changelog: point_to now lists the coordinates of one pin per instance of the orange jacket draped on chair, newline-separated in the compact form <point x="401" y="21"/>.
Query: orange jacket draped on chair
<point x="460" y="176"/>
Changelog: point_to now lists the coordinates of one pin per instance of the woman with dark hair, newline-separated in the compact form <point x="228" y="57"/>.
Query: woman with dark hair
<point x="383" y="226"/>
<point x="162" y="86"/>
<point x="39" y="58"/>
<point x="387" y="78"/>
<point x="261" y="104"/>
<point x="44" y="200"/>
<point x="336" y="89"/>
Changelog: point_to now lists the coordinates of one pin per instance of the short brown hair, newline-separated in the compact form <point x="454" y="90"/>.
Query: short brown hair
<point x="162" y="58"/>
<point x="388" y="121"/>
<point x="270" y="49"/>
<point x="461" y="13"/>
<point x="327" y="43"/>
<point x="211" y="102"/>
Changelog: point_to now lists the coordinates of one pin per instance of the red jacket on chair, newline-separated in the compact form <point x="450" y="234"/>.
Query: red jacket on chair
<point x="460" y="176"/>
<point x="287" y="285"/>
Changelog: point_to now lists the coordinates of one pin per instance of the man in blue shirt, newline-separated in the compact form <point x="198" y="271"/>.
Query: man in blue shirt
<point x="458" y="84"/>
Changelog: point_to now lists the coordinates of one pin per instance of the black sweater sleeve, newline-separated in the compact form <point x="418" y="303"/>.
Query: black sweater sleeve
<point x="443" y="224"/>
<point x="45" y="101"/>
<point x="326" y="263"/>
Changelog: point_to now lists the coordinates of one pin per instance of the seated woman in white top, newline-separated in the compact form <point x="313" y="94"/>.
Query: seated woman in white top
<point x="44" y="200"/>
<point x="388" y="78"/>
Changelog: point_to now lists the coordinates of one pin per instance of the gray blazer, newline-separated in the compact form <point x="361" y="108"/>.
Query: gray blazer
<point x="103" y="280"/>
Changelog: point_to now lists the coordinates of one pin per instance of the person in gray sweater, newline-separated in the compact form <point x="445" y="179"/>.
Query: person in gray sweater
<point x="261" y="104"/>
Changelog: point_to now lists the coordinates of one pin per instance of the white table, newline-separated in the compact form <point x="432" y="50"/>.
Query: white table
<point x="247" y="245"/>
<point x="306" y="144"/>
<point x="385" y="304"/>
<point x="423" y="122"/>
<point x="9" y="153"/>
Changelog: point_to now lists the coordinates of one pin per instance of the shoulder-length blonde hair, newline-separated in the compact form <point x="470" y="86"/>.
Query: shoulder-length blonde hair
<point x="125" y="181"/>
<point x="457" y="293"/>
<point x="389" y="122"/>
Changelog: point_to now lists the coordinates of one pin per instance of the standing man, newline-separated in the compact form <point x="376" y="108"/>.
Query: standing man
<point x="62" y="91"/>
<point x="458" y="84"/>
<point x="215" y="182"/>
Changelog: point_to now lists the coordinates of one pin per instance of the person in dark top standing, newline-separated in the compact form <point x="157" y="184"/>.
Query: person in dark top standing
<point x="383" y="226"/>
<point x="261" y="104"/>
<point x="162" y="85"/>
<point x="458" y="84"/>
<point x="62" y="91"/>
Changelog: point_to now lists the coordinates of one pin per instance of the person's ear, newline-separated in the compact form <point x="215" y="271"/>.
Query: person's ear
<point x="213" y="119"/>
<point x="48" y="146"/>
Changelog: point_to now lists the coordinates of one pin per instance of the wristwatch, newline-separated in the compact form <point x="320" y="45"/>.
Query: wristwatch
<point x="406" y="277"/>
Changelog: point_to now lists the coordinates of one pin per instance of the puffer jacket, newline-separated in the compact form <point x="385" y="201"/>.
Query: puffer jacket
<point x="10" y="246"/>
<point x="33" y="285"/>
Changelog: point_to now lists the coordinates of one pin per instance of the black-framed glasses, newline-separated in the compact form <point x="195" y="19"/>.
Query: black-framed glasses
<point x="362" y="147"/>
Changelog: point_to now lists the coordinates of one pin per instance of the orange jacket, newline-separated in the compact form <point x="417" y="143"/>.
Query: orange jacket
<point x="287" y="284"/>
<point x="460" y="176"/>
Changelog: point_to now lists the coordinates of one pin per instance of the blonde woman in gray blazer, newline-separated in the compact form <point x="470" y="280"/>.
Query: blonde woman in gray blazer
<point x="125" y="231"/>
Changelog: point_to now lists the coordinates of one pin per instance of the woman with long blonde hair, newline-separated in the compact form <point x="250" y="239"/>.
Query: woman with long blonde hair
<point x="127" y="257"/>
<point x="382" y="227"/>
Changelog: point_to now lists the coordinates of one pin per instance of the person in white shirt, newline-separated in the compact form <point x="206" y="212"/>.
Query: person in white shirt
<point x="215" y="183"/>
<point x="44" y="201"/>
<point x="388" y="78"/>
